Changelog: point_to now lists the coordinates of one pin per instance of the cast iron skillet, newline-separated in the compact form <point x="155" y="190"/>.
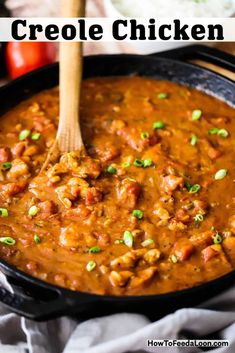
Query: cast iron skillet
<point x="39" y="300"/>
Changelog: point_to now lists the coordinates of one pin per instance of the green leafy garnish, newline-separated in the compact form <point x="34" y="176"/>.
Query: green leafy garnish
<point x="6" y="166"/>
<point x="91" y="265"/>
<point x="144" y="135"/>
<point x="128" y="239"/>
<point x="35" y="136"/>
<point x="221" y="174"/>
<point x="37" y="238"/>
<point x="217" y="239"/>
<point x="193" y="140"/>
<point x="158" y="125"/>
<point x="138" y="214"/>
<point x="111" y="170"/>
<point x="163" y="95"/>
<point x="196" y="114"/>
<point x="94" y="249"/>
<point x="33" y="210"/>
<point x="24" y="134"/>
<point x="4" y="212"/>
<point x="7" y="240"/>
<point x="147" y="242"/>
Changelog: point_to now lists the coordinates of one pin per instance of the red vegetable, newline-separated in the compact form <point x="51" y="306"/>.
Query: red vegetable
<point x="23" y="57"/>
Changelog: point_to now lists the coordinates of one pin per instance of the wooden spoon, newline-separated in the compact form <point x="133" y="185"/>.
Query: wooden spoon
<point x="69" y="136"/>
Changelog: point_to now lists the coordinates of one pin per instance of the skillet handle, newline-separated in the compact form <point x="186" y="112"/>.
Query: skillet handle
<point x="201" y="52"/>
<point x="32" y="308"/>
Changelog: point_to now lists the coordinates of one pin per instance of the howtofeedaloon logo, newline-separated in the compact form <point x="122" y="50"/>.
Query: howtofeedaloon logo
<point x="187" y="343"/>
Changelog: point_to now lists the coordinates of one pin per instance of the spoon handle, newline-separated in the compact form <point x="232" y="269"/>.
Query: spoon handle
<point x="69" y="134"/>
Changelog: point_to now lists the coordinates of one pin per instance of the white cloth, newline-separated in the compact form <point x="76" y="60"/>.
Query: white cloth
<point x="120" y="333"/>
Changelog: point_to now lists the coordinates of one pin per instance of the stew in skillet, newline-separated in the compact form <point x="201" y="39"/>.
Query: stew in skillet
<point x="150" y="208"/>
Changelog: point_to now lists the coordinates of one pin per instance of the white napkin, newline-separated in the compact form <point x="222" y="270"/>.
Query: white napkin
<point x="120" y="333"/>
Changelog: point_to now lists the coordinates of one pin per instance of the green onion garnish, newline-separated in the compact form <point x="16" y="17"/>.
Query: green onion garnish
<point x="37" y="238"/>
<point x="6" y="166"/>
<point x="223" y="133"/>
<point x="174" y="259"/>
<point x="24" y="134"/>
<point x="193" y="140"/>
<point x="163" y="95"/>
<point x="194" y="188"/>
<point x="144" y="135"/>
<point x="94" y="249"/>
<point x="33" y="210"/>
<point x="198" y="218"/>
<point x="111" y="170"/>
<point x="138" y="163"/>
<point x="196" y="114"/>
<point x="7" y="240"/>
<point x="4" y="212"/>
<point x="147" y="242"/>
<point x="128" y="239"/>
<point x="35" y="136"/>
<point x="126" y="164"/>
<point x="213" y="131"/>
<point x="217" y="239"/>
<point x="221" y="174"/>
<point x="158" y="125"/>
<point x="147" y="163"/>
<point x="90" y="266"/>
<point x="138" y="214"/>
<point x="220" y="132"/>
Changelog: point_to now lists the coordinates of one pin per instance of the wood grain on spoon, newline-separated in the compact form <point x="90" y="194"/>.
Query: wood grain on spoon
<point x="69" y="136"/>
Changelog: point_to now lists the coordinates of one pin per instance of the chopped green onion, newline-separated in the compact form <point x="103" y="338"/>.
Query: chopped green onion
<point x="147" y="163"/>
<point x="24" y="134"/>
<point x="220" y="132"/>
<point x="94" y="249"/>
<point x="187" y="185"/>
<point x="158" y="125"/>
<point x="37" y="239"/>
<point x="33" y="210"/>
<point x="196" y="114"/>
<point x="126" y="164"/>
<point x="90" y="266"/>
<point x="194" y="188"/>
<point x="221" y="174"/>
<point x="199" y="217"/>
<point x="144" y="135"/>
<point x="138" y="163"/>
<point x="217" y="239"/>
<point x="174" y="259"/>
<point x="128" y="239"/>
<point x="163" y="95"/>
<point x="138" y="214"/>
<point x="223" y="133"/>
<point x="35" y="136"/>
<point x="213" y="131"/>
<point x="4" y="212"/>
<point x="118" y="241"/>
<point x="7" y="240"/>
<point x="147" y="242"/>
<point x="111" y="170"/>
<point x="6" y="166"/>
<point x="193" y="140"/>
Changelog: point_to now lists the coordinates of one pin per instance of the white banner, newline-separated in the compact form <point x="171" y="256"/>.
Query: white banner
<point x="118" y="29"/>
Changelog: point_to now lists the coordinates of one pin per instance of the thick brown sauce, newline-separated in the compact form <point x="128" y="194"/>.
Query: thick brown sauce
<point x="94" y="209"/>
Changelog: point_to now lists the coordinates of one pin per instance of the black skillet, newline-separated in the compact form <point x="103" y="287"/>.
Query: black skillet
<point x="39" y="300"/>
